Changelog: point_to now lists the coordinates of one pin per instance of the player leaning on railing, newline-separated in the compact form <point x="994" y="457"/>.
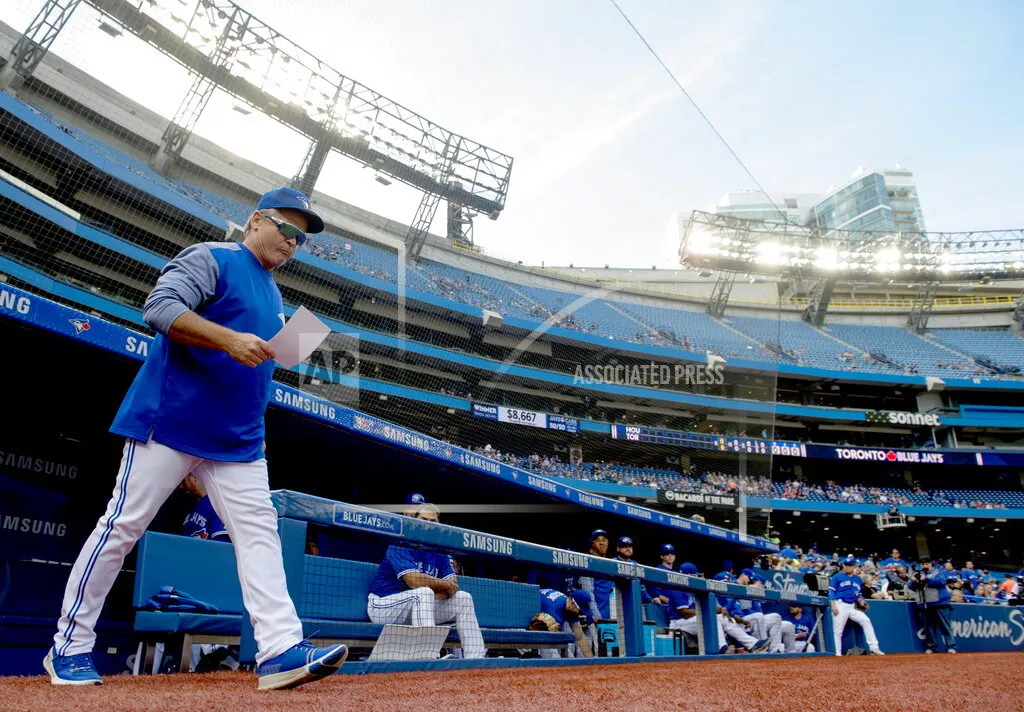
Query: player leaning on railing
<point x="197" y="405"/>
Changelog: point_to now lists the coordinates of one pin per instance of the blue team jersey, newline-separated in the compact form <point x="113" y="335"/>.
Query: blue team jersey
<point x="603" y="596"/>
<point x="971" y="576"/>
<point x="844" y="588"/>
<point x="803" y="624"/>
<point x="196" y="400"/>
<point x="744" y="607"/>
<point x="203" y="523"/>
<point x="399" y="561"/>
<point x="552" y="602"/>
<point x="679" y="600"/>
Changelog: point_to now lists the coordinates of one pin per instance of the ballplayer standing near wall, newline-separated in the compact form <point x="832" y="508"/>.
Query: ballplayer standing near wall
<point x="197" y="405"/>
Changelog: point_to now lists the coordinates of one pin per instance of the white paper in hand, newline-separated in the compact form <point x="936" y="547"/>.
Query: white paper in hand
<point x="299" y="338"/>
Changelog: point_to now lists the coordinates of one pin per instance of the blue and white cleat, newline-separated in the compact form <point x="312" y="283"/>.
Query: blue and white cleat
<point x="301" y="663"/>
<point x="71" y="669"/>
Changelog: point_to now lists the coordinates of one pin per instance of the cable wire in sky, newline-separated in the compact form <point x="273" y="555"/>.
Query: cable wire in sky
<point x="695" y="106"/>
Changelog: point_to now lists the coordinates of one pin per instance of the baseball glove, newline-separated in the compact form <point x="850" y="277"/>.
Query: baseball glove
<point x="544" y="621"/>
<point x="861" y="605"/>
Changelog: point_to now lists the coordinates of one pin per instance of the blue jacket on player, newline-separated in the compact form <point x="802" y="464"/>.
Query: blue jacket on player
<point x="842" y="587"/>
<point x="197" y="400"/>
<point x="203" y="523"/>
<point x="399" y="561"/>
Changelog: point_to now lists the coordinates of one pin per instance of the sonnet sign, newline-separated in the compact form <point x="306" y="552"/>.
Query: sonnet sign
<point x="899" y="417"/>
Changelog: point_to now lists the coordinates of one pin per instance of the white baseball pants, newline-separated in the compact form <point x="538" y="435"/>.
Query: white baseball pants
<point x="418" y="606"/>
<point x="239" y="492"/>
<point x="766" y="625"/>
<point x="789" y="642"/>
<point x="735" y="631"/>
<point x="689" y="625"/>
<point x="847" y="611"/>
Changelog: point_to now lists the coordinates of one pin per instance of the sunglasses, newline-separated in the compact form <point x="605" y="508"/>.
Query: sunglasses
<point x="288" y="230"/>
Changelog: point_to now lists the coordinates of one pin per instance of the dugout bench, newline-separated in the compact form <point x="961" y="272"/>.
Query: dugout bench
<point x="331" y="601"/>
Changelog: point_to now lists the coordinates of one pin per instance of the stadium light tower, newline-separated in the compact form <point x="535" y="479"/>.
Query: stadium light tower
<point x="228" y="48"/>
<point x="33" y="45"/>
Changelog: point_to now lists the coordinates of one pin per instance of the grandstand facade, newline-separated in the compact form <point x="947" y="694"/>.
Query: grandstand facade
<point x="89" y="222"/>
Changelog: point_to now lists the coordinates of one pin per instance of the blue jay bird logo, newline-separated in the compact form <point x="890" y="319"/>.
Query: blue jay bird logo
<point x="80" y="325"/>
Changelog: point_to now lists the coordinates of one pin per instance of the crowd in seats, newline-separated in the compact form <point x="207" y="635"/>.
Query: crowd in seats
<point x="887" y="578"/>
<point x="989" y="353"/>
<point x="711" y="482"/>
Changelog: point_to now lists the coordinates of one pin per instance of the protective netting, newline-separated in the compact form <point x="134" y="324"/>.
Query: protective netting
<point x="626" y="393"/>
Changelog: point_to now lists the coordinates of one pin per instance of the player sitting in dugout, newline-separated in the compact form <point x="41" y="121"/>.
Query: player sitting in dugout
<point x="419" y="587"/>
<point x="560" y="612"/>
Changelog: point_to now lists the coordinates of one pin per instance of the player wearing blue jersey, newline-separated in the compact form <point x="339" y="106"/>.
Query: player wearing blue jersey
<point x="624" y="552"/>
<point x="418" y="587"/>
<point x="202" y="521"/>
<point x="728" y="617"/>
<point x="197" y="405"/>
<point x="797" y="631"/>
<point x="762" y="625"/>
<point x="844" y="593"/>
<point x="970" y="575"/>
<point x="599" y="589"/>
<point x="559" y="611"/>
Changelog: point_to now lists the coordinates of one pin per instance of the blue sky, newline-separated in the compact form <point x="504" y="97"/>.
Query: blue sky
<point x="606" y="148"/>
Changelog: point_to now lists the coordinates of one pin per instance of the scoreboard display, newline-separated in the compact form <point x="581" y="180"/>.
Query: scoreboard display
<point x="703" y="441"/>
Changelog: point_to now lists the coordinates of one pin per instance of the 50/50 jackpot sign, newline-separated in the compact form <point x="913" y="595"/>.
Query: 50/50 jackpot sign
<point x="531" y="418"/>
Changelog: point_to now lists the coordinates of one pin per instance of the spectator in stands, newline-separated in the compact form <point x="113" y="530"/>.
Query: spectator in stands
<point x="893" y="562"/>
<point x="934" y="605"/>
<point x="1008" y="588"/>
<point x="844" y="593"/>
<point x="418" y="587"/>
<point x="564" y="613"/>
<point x="599" y="589"/>
<point x="797" y="628"/>
<point x="969" y="576"/>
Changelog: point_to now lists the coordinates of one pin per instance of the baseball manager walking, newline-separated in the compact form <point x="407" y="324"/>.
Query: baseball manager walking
<point x="197" y="405"/>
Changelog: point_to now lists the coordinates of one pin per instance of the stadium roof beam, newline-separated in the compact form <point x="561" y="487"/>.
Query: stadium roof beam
<point x="818" y="301"/>
<point x="724" y="242"/>
<point x="179" y="130"/>
<point x="921" y="310"/>
<point x="370" y="128"/>
<point x="35" y="42"/>
<point x="720" y="294"/>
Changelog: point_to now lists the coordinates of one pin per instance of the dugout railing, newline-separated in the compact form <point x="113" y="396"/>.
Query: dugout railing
<point x="300" y="512"/>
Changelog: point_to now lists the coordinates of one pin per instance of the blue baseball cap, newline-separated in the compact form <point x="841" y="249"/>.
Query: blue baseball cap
<point x="624" y="541"/>
<point x="582" y="598"/>
<point x="598" y="532"/>
<point x="415" y="498"/>
<point x="291" y="199"/>
<point x="849" y="561"/>
<point x="688" y="568"/>
<point x="723" y="576"/>
<point x="749" y="573"/>
<point x="667" y="549"/>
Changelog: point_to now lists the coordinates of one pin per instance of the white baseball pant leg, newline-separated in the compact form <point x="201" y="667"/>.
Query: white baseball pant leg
<point x="459" y="608"/>
<point x="415" y="607"/>
<point x="757" y="625"/>
<point x="737" y="632"/>
<point x="847" y="611"/>
<point x="773" y="631"/>
<point x="240" y="494"/>
<point x="791" y="644"/>
<point x="689" y="625"/>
